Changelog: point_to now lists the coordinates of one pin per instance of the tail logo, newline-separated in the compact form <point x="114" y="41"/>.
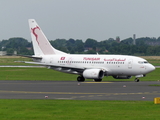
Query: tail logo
<point x="34" y="33"/>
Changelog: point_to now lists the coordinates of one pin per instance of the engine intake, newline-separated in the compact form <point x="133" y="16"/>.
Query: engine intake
<point x="93" y="74"/>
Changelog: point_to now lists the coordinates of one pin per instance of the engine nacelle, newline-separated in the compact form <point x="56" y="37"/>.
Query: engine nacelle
<point x="93" y="73"/>
<point x="121" y="77"/>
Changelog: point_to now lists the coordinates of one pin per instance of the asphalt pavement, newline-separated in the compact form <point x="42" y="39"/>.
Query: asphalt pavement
<point x="79" y="91"/>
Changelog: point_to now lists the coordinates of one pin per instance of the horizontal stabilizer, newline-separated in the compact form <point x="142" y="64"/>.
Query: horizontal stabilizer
<point x="28" y="56"/>
<point x="38" y="63"/>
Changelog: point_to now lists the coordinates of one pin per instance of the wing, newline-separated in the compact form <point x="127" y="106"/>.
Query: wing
<point x="68" y="69"/>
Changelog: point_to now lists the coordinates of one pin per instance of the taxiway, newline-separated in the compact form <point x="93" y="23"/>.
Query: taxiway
<point x="79" y="91"/>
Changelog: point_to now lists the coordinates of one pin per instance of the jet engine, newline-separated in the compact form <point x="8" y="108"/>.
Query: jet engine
<point x="93" y="73"/>
<point x="121" y="77"/>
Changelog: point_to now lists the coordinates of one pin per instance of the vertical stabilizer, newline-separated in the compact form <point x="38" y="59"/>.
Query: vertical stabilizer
<point x="41" y="45"/>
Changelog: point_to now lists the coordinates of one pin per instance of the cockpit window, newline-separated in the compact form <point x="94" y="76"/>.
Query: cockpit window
<point x="142" y="62"/>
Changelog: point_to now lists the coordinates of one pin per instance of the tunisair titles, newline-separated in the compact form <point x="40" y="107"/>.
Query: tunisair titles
<point x="97" y="59"/>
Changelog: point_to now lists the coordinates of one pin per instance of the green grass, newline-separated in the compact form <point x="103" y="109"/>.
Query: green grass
<point x="153" y="76"/>
<point x="10" y="60"/>
<point x="154" y="62"/>
<point x="48" y="74"/>
<point x="78" y="110"/>
<point x="71" y="109"/>
<point x="33" y="74"/>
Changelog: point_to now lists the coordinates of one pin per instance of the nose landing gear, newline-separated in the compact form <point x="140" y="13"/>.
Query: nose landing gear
<point x="136" y="80"/>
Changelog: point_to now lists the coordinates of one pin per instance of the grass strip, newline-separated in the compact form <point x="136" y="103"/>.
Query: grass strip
<point x="78" y="110"/>
<point x="8" y="73"/>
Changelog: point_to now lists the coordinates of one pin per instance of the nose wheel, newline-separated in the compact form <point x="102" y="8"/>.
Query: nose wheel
<point x="136" y="80"/>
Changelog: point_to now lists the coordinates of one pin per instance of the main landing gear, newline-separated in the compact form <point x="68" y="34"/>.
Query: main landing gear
<point x="80" y="79"/>
<point x="97" y="80"/>
<point x="136" y="80"/>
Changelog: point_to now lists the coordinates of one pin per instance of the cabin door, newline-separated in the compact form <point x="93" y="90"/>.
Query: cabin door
<point x="130" y="64"/>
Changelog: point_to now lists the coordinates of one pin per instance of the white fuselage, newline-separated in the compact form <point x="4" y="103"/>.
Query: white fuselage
<point x="112" y="64"/>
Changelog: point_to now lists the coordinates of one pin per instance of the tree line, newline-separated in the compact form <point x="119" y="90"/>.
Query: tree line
<point x="144" y="46"/>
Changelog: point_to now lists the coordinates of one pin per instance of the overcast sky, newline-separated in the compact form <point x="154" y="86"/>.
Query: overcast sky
<point x="81" y="19"/>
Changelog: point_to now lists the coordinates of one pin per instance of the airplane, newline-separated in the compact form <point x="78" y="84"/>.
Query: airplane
<point x="87" y="66"/>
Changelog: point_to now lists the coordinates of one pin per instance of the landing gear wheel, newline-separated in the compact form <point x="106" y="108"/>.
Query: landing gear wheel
<point x="97" y="80"/>
<point x="136" y="80"/>
<point x="80" y="79"/>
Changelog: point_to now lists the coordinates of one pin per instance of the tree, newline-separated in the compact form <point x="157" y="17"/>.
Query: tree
<point x="90" y="43"/>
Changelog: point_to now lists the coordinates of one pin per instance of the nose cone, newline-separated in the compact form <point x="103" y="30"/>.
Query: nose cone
<point x="150" y="68"/>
